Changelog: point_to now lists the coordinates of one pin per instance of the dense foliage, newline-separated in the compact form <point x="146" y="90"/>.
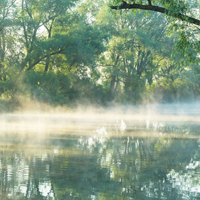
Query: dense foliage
<point x="68" y="52"/>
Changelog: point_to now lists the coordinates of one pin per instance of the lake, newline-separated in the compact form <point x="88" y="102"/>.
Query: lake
<point x="99" y="157"/>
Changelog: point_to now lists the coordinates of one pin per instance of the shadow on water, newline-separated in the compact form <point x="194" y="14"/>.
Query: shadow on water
<point x="99" y="158"/>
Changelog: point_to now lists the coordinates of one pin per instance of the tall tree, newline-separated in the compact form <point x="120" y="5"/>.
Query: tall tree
<point x="7" y="42"/>
<point x="53" y="44"/>
<point x="185" y="11"/>
<point x="134" y="53"/>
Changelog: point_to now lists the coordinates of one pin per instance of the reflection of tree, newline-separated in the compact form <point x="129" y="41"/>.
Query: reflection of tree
<point x="180" y="128"/>
<point x="141" y="164"/>
<point x="80" y="177"/>
<point x="95" y="167"/>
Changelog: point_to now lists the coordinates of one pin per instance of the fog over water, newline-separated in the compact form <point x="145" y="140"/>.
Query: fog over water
<point x="84" y="119"/>
<point x="124" y="152"/>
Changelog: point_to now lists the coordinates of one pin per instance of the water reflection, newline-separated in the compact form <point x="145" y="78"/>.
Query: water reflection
<point x="145" y="160"/>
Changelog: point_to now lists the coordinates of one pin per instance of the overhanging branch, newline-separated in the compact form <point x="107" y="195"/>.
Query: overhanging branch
<point x="150" y="7"/>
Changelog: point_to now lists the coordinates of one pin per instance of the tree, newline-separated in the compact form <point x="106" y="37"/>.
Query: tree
<point x="177" y="9"/>
<point x="7" y="42"/>
<point x="50" y="51"/>
<point x="134" y="53"/>
<point x="187" y="26"/>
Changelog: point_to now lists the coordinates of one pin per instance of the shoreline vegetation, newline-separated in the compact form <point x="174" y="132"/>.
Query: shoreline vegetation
<point x="144" y="111"/>
<point x="71" y="54"/>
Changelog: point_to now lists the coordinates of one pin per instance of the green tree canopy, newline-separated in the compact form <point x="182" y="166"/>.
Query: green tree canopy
<point x="183" y="17"/>
<point x="177" y="9"/>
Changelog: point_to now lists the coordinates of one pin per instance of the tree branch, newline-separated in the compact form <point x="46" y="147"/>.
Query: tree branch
<point x="42" y="57"/>
<point x="27" y="10"/>
<point x="149" y="1"/>
<point x="168" y="76"/>
<point x="149" y="7"/>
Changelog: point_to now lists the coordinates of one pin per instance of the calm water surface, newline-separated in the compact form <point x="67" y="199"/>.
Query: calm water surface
<point x="64" y="158"/>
